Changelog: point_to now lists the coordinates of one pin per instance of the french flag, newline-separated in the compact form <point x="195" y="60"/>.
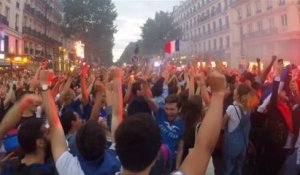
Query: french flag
<point x="172" y="46"/>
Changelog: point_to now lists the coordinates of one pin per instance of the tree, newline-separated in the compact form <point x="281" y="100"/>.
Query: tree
<point x="91" y="21"/>
<point x="158" y="31"/>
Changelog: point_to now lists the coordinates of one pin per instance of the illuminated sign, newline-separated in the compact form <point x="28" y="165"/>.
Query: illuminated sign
<point x="79" y="49"/>
<point x="2" y="56"/>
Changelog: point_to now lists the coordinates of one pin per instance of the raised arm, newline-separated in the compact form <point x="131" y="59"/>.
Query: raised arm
<point x="209" y="131"/>
<point x="100" y="90"/>
<point x="12" y="117"/>
<point x="117" y="101"/>
<point x="65" y="89"/>
<point x="266" y="72"/>
<point x="57" y="136"/>
<point x="55" y="89"/>
<point x="203" y="91"/>
<point x="84" y="89"/>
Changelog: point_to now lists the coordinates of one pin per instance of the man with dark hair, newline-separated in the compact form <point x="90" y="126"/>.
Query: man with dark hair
<point x="171" y="125"/>
<point x="93" y="158"/>
<point x="136" y="89"/>
<point x="33" y="139"/>
<point x="71" y="123"/>
<point x="138" y="105"/>
<point x="138" y="135"/>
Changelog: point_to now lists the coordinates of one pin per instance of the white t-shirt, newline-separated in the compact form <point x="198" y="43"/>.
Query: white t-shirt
<point x="67" y="164"/>
<point x="234" y="120"/>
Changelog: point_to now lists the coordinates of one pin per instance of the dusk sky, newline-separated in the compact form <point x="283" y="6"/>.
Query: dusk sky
<point x="132" y="14"/>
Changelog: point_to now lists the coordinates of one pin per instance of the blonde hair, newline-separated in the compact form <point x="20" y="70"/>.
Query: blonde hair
<point x="247" y="97"/>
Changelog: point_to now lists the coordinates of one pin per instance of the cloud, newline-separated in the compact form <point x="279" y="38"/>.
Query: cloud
<point x="132" y="14"/>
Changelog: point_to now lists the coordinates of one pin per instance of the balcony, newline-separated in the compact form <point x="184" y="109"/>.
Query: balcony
<point x="41" y="16"/>
<point x="237" y="2"/>
<point x="29" y="9"/>
<point x="258" y="11"/>
<point x="262" y="33"/>
<point x="3" y="20"/>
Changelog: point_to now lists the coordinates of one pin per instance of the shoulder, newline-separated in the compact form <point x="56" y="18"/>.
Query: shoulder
<point x="68" y="164"/>
<point x="160" y="114"/>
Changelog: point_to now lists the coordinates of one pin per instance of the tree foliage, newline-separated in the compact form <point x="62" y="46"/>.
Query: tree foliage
<point x="91" y="21"/>
<point x="155" y="33"/>
<point x="158" y="31"/>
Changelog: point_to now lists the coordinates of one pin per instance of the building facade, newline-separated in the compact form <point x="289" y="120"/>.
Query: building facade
<point x="233" y="30"/>
<point x="263" y="28"/>
<point x="205" y="25"/>
<point x="11" y="14"/>
<point x="41" y="28"/>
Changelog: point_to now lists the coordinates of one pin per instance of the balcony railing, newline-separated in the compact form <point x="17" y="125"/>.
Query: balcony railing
<point x="39" y="35"/>
<point x="3" y="20"/>
<point x="260" y="33"/>
<point x="207" y="34"/>
<point x="29" y="9"/>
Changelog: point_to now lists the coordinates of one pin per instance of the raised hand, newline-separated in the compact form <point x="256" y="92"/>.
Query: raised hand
<point x="217" y="82"/>
<point x="46" y="76"/>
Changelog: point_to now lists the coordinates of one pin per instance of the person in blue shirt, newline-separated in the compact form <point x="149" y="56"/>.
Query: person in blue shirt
<point x="171" y="125"/>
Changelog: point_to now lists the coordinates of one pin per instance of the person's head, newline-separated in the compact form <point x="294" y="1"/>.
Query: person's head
<point x="138" y="142"/>
<point x="247" y="78"/>
<point x="157" y="88"/>
<point x="138" y="105"/>
<point x="33" y="136"/>
<point x="172" y="106"/>
<point x="136" y="89"/>
<point x="246" y="96"/>
<point x="91" y="141"/>
<point x="71" y="122"/>
<point x="70" y="95"/>
<point x="192" y="110"/>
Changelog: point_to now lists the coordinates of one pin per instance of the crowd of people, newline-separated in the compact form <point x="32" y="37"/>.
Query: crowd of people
<point x="147" y="119"/>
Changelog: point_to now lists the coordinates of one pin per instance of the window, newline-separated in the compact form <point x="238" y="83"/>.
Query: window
<point x="239" y="13"/>
<point x="214" y="26"/>
<point x="17" y="46"/>
<point x="7" y="12"/>
<point x="208" y="28"/>
<point x="204" y="31"/>
<point x="250" y="27"/>
<point x="220" y="23"/>
<point x="258" y="6"/>
<point x="227" y="21"/>
<point x="269" y="4"/>
<point x="0" y="7"/>
<point x="199" y="31"/>
<point x="227" y="42"/>
<point x="17" y="22"/>
<point x="260" y="26"/>
<point x="18" y="5"/>
<point x="209" y="45"/>
<point x="272" y="23"/>
<point x="204" y="46"/>
<point x="215" y="44"/>
<point x="281" y="2"/>
<point x="221" y="43"/>
<point x="248" y="10"/>
<point x="284" y="21"/>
